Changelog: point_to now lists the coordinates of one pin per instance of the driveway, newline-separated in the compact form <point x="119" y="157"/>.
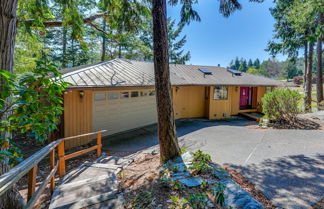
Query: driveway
<point x="286" y="165"/>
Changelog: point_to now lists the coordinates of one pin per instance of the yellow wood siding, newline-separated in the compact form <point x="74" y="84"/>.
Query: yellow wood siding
<point x="219" y="108"/>
<point x="189" y="101"/>
<point x="235" y="99"/>
<point x="77" y="116"/>
<point x="261" y="92"/>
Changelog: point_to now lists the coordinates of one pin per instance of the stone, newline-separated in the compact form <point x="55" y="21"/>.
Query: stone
<point x="191" y="182"/>
<point x="179" y="167"/>
<point x="187" y="157"/>
<point x="181" y="174"/>
<point x="253" y="205"/>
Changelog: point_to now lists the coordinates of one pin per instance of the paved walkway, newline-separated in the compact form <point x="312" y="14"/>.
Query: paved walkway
<point x="92" y="185"/>
<point x="286" y="165"/>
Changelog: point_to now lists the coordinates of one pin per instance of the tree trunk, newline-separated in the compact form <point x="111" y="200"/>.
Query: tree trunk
<point x="305" y="61"/>
<point x="169" y="147"/>
<point x="64" y="64"/>
<point x="308" y="83"/>
<point x="8" y="21"/>
<point x="103" y="50"/>
<point x="319" y="68"/>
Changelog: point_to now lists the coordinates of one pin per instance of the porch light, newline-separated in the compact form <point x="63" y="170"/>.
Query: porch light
<point x="81" y="94"/>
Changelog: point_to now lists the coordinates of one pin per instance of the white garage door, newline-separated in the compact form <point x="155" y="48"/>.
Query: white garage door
<point x="117" y="111"/>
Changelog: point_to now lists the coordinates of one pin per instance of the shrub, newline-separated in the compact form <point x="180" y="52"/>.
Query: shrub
<point x="281" y="104"/>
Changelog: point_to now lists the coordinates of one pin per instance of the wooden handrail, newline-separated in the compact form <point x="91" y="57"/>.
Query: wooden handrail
<point x="7" y="180"/>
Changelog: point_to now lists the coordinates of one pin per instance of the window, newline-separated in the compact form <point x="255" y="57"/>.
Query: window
<point x="124" y="95"/>
<point x="134" y="94"/>
<point x="152" y="93"/>
<point x="268" y="89"/>
<point x="112" y="95"/>
<point x="220" y="93"/>
<point x="100" y="96"/>
<point x="144" y="93"/>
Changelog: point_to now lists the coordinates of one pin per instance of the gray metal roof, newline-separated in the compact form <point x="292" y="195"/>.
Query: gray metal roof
<point x="128" y="73"/>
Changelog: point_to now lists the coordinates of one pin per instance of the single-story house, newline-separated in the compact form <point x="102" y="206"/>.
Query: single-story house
<point x="119" y="95"/>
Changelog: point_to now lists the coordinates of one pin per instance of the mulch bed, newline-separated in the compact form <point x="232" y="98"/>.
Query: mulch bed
<point x="299" y="123"/>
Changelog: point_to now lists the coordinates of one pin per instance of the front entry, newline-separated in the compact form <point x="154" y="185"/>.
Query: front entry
<point x="245" y="98"/>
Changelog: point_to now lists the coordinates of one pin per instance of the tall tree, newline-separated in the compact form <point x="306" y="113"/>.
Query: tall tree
<point x="256" y="63"/>
<point x="175" y="45"/>
<point x="169" y="147"/>
<point x="319" y="66"/>
<point x="250" y="63"/>
<point x="8" y="30"/>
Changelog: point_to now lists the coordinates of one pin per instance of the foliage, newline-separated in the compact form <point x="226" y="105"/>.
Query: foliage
<point x="198" y="200"/>
<point x="143" y="199"/>
<point x="30" y="103"/>
<point x="281" y="104"/>
<point x="200" y="162"/>
<point x="179" y="203"/>
<point x="218" y="192"/>
<point x="243" y="65"/>
<point x="253" y="70"/>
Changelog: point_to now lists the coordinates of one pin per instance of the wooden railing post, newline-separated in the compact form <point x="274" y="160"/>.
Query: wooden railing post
<point x="99" y="144"/>
<point x="61" y="154"/>
<point x="52" y="164"/>
<point x="31" y="181"/>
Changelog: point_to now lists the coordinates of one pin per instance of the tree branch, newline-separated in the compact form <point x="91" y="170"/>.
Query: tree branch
<point x="87" y="20"/>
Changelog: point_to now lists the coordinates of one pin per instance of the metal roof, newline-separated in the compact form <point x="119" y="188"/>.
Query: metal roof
<point x="128" y="73"/>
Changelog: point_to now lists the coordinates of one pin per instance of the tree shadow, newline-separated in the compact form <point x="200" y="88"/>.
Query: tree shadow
<point x="146" y="137"/>
<point x="290" y="182"/>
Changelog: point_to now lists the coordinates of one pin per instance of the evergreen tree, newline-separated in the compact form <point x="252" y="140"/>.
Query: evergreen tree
<point x="256" y="64"/>
<point x="250" y="63"/>
<point x="243" y="67"/>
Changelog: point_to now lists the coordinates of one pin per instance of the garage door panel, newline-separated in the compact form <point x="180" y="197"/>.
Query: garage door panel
<point x="123" y="114"/>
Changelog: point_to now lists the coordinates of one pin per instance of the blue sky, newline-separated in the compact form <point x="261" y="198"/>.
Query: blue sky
<point x="217" y="40"/>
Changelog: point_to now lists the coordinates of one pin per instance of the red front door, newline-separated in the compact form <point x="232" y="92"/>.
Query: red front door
<point x="245" y="101"/>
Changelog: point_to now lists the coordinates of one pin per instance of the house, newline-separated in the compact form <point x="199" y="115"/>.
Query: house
<point x="119" y="95"/>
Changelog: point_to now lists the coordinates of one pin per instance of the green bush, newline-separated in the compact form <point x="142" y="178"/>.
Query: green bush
<point x="281" y="104"/>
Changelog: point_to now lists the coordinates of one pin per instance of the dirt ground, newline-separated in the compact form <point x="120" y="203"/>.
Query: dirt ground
<point x="142" y="187"/>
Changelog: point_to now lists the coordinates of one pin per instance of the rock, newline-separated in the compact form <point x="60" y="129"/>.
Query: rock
<point x="187" y="157"/>
<point x="181" y="174"/>
<point x="160" y="206"/>
<point x="191" y="182"/>
<point x="236" y="197"/>
<point x="253" y="205"/>
<point x="169" y="201"/>
<point x="179" y="167"/>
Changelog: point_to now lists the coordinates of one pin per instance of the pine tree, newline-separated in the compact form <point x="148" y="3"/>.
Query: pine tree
<point x="256" y="64"/>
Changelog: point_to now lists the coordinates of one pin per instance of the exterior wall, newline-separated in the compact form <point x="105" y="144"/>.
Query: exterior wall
<point x="189" y="101"/>
<point x="261" y="92"/>
<point x="219" y="109"/>
<point x="77" y="116"/>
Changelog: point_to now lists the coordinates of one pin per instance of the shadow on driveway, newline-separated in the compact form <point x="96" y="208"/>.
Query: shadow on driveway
<point x="290" y="182"/>
<point x="146" y="137"/>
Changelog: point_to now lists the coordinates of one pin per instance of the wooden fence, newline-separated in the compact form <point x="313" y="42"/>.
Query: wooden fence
<point x="29" y="166"/>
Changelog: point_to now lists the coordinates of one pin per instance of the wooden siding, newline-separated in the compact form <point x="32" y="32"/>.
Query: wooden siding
<point x="189" y="101"/>
<point x="219" y="108"/>
<point x="261" y="92"/>
<point x="77" y="116"/>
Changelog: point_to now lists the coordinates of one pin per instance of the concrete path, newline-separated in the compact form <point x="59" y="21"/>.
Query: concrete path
<point x="286" y="165"/>
<point x="92" y="185"/>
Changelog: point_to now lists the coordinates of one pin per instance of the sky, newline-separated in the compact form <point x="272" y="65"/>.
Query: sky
<point x="217" y="40"/>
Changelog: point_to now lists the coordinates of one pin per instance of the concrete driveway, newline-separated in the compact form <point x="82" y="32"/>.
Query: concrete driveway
<point x="286" y="165"/>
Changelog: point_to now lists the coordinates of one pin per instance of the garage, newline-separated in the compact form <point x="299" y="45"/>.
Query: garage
<point x="118" y="111"/>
